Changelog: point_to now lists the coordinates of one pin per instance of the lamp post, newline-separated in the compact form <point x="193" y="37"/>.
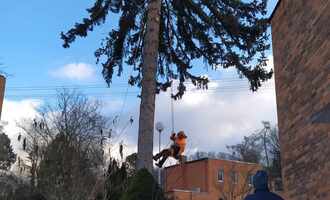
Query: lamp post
<point x="266" y="129"/>
<point x="160" y="128"/>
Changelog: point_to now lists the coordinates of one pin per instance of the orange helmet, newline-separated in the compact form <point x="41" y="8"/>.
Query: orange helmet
<point x="181" y="135"/>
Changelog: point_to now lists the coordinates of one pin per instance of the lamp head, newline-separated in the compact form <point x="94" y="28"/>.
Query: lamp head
<point x="159" y="126"/>
<point x="266" y="124"/>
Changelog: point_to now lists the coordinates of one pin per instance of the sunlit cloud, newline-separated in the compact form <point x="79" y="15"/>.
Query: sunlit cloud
<point x="74" y="71"/>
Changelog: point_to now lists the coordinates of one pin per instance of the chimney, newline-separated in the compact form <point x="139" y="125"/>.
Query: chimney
<point x="2" y="91"/>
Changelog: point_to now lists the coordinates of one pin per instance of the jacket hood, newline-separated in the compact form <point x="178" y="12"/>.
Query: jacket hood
<point x="260" y="180"/>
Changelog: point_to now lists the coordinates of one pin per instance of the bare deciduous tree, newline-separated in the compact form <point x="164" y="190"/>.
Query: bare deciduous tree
<point x="239" y="183"/>
<point x="64" y="144"/>
<point x="262" y="147"/>
<point x="249" y="150"/>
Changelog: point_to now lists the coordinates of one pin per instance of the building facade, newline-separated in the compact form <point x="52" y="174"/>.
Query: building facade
<point x="301" y="48"/>
<point x="209" y="179"/>
<point x="2" y="91"/>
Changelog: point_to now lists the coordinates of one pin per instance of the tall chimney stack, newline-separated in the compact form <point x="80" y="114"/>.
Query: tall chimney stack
<point x="2" y="91"/>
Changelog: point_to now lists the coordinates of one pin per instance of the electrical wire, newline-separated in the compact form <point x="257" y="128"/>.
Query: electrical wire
<point x="220" y="89"/>
<point x="96" y="85"/>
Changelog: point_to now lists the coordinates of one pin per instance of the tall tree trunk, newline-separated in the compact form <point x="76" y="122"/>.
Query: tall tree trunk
<point x="148" y="94"/>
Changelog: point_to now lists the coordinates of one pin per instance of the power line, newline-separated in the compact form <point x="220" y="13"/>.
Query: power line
<point x="104" y="86"/>
<point x="218" y="90"/>
<point x="223" y="85"/>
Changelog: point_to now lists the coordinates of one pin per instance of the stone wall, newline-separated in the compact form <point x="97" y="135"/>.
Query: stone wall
<point x="301" y="48"/>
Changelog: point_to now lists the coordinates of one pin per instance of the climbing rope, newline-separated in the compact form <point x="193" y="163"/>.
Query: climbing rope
<point x="172" y="107"/>
<point x="121" y="134"/>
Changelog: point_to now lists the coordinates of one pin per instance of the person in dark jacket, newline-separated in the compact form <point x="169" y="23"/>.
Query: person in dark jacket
<point x="260" y="184"/>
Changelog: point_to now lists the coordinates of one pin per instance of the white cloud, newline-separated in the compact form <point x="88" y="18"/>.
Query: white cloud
<point x="113" y="105"/>
<point x="212" y="119"/>
<point x="75" y="71"/>
<point x="216" y="117"/>
<point x="217" y="120"/>
<point x="15" y="111"/>
<point x="270" y="62"/>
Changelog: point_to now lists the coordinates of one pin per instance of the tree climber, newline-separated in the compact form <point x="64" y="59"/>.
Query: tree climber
<point x="176" y="149"/>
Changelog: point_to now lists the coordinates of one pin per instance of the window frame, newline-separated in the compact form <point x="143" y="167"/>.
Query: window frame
<point x="250" y="179"/>
<point x="222" y="171"/>
<point x="234" y="177"/>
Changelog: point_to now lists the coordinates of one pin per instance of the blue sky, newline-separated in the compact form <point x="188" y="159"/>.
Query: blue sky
<point x="30" y="43"/>
<point x="31" y="47"/>
<point x="31" y="53"/>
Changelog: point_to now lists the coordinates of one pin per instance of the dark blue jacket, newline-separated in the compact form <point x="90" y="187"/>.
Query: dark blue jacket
<point x="260" y="183"/>
<point x="263" y="195"/>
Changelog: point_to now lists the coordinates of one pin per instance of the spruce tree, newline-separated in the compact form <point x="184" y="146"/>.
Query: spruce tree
<point x="160" y="39"/>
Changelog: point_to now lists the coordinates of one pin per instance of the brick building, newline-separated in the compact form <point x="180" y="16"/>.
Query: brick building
<point x="2" y="91"/>
<point x="301" y="48"/>
<point x="209" y="179"/>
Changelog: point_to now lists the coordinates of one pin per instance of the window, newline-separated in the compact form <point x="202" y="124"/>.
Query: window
<point x="234" y="177"/>
<point x="221" y="175"/>
<point x="250" y="179"/>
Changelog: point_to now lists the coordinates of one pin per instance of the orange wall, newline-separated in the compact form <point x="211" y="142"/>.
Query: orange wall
<point x="203" y="174"/>
<point x="228" y="187"/>
<point x="187" y="176"/>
